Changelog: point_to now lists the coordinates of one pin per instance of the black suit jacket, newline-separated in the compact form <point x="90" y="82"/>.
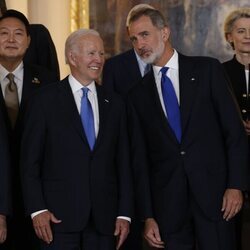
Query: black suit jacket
<point x="33" y="79"/>
<point x="211" y="157"/>
<point x="59" y="171"/>
<point x="237" y="77"/>
<point x="5" y="187"/>
<point x="121" y="73"/>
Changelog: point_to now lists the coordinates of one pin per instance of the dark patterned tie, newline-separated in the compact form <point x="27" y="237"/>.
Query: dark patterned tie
<point x="147" y="69"/>
<point x="11" y="99"/>
<point x="87" y="118"/>
<point x="171" y="103"/>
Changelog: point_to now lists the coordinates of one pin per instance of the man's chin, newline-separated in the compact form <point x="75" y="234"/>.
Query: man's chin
<point x="148" y="60"/>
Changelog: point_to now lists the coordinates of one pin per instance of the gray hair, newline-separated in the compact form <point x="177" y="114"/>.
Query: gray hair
<point x="71" y="42"/>
<point x="140" y="10"/>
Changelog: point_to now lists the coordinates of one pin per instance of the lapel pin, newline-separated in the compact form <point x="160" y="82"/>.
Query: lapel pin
<point x="35" y="80"/>
<point x="192" y="79"/>
<point x="106" y="100"/>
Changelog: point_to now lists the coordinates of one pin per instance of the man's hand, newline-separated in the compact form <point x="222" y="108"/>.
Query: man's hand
<point x="41" y="224"/>
<point x="121" y="231"/>
<point x="3" y="228"/>
<point x="232" y="203"/>
<point x="152" y="233"/>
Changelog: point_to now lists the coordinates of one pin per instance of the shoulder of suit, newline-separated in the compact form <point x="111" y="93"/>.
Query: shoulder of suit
<point x="38" y="70"/>
<point x="127" y="54"/>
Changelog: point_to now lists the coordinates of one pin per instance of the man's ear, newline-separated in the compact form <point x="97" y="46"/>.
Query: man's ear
<point x="165" y="33"/>
<point x="72" y="58"/>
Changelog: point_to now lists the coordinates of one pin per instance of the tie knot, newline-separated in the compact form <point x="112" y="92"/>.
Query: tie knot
<point x="85" y="91"/>
<point x="10" y="76"/>
<point x="164" y="70"/>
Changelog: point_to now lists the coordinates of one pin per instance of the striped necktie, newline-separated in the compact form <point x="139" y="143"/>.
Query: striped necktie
<point x="11" y="99"/>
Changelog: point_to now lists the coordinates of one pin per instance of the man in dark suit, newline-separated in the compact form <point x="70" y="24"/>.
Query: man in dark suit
<point x="26" y="79"/>
<point x="123" y="71"/>
<point x="5" y="190"/>
<point x="76" y="177"/>
<point x="189" y="146"/>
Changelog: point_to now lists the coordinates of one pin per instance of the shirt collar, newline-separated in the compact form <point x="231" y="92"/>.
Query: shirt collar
<point x="18" y="72"/>
<point x="76" y="85"/>
<point x="172" y="63"/>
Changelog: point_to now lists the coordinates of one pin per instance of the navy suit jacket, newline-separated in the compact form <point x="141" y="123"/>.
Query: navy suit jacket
<point x="61" y="173"/>
<point x="33" y="79"/>
<point x="5" y="187"/>
<point x="121" y="73"/>
<point x="211" y="157"/>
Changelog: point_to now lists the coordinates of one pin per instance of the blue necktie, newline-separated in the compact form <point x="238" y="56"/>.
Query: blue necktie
<point x="171" y="103"/>
<point x="87" y="118"/>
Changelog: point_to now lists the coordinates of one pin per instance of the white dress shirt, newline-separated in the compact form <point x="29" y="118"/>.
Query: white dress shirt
<point x="247" y="79"/>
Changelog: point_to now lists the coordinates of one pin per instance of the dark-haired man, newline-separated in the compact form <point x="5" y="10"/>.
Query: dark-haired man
<point x="18" y="82"/>
<point x="189" y="146"/>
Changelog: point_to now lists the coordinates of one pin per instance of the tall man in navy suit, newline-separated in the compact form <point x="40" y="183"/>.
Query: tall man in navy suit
<point x="14" y="41"/>
<point x="78" y="190"/>
<point x="189" y="174"/>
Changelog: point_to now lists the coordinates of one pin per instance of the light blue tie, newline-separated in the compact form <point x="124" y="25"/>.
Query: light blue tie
<point x="171" y="103"/>
<point x="87" y="118"/>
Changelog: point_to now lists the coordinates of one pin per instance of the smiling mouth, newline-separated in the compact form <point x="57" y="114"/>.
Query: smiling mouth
<point x="94" y="68"/>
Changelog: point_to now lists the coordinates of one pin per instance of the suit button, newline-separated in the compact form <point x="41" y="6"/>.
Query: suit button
<point x="243" y="111"/>
<point x="183" y="152"/>
<point x="244" y="95"/>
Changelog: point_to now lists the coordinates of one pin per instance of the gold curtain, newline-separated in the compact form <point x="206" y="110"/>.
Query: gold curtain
<point x="79" y="14"/>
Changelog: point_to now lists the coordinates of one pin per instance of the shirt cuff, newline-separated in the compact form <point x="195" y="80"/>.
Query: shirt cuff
<point x="38" y="212"/>
<point x="124" y="218"/>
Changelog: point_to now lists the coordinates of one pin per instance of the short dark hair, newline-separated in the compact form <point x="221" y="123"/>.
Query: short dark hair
<point x="156" y="17"/>
<point x="18" y="15"/>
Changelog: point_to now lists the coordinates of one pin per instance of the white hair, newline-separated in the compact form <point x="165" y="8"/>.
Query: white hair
<point x="72" y="39"/>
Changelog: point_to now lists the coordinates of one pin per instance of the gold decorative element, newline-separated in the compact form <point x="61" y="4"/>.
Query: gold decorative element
<point x="79" y="14"/>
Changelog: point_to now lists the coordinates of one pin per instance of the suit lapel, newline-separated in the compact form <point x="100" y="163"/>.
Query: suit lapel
<point x="103" y="105"/>
<point x="30" y="83"/>
<point x="67" y="102"/>
<point x="188" y="86"/>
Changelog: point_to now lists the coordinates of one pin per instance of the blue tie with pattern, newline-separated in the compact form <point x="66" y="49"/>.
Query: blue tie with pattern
<point x="87" y="118"/>
<point x="171" y="103"/>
